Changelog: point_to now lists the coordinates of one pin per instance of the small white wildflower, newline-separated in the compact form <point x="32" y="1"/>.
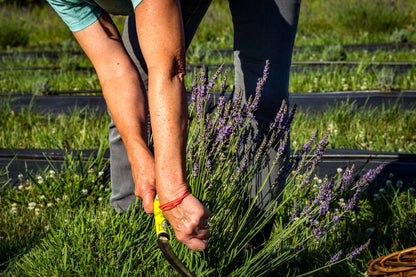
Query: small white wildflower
<point x="341" y="202"/>
<point x="14" y="210"/>
<point x="42" y="197"/>
<point x="339" y="170"/>
<point x="20" y="176"/>
<point x="100" y="173"/>
<point x="100" y="199"/>
<point x="66" y="221"/>
<point x="49" y="204"/>
<point x="40" y="179"/>
<point x="47" y="228"/>
<point x="84" y="191"/>
<point x="14" y="205"/>
<point x="52" y="173"/>
<point x="319" y="181"/>
<point x="76" y="176"/>
<point x="37" y="211"/>
<point x="31" y="205"/>
<point x="21" y="187"/>
<point x="103" y="212"/>
<point x="315" y="178"/>
<point x="58" y="200"/>
<point x="65" y="197"/>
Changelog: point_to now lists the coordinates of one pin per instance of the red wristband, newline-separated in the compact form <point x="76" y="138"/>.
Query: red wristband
<point x="172" y="204"/>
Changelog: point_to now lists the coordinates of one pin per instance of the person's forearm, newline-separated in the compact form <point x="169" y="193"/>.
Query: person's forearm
<point x="168" y="111"/>
<point x="127" y="107"/>
<point x="161" y="38"/>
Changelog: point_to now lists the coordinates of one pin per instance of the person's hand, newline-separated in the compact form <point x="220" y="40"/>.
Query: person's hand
<point x="144" y="182"/>
<point x="190" y="221"/>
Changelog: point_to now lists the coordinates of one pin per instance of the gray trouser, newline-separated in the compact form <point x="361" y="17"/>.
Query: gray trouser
<point x="263" y="30"/>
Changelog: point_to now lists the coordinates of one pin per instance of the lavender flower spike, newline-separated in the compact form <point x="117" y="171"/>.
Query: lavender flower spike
<point x="254" y="103"/>
<point x="358" y="250"/>
<point x="335" y="258"/>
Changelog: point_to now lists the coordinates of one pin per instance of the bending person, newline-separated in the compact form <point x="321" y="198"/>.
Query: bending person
<point x="160" y="29"/>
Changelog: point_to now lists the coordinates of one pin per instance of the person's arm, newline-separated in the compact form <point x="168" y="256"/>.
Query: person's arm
<point x="125" y="98"/>
<point x="161" y="39"/>
<point x="126" y="101"/>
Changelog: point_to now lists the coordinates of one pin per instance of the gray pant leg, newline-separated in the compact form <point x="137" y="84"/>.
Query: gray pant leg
<point x="122" y="184"/>
<point x="264" y="30"/>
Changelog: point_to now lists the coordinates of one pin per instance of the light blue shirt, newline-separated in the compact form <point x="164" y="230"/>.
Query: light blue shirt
<point x="79" y="14"/>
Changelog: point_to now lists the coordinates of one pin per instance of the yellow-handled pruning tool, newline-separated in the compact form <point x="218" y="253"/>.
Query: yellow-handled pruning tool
<point x="163" y="242"/>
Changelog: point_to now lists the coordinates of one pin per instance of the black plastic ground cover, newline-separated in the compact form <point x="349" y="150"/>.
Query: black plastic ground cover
<point x="312" y="102"/>
<point x="297" y="66"/>
<point x="400" y="166"/>
<point x="371" y="47"/>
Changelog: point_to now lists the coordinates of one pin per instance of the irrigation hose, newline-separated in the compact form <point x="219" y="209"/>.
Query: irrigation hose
<point x="163" y="242"/>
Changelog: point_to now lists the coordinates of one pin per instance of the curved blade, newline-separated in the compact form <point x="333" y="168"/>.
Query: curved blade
<point x="164" y="245"/>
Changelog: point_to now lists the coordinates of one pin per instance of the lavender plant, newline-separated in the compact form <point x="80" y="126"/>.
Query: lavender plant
<point x="224" y="157"/>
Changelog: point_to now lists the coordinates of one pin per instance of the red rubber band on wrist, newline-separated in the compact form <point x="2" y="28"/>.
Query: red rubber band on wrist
<point x="172" y="204"/>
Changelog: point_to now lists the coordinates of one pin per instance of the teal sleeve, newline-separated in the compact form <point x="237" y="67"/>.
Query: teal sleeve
<point x="77" y="14"/>
<point x="136" y="3"/>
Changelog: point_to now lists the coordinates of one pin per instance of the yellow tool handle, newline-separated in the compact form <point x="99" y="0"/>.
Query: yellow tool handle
<point x="160" y="220"/>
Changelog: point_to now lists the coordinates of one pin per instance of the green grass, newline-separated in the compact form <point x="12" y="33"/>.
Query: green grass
<point x="379" y="129"/>
<point x="81" y="129"/>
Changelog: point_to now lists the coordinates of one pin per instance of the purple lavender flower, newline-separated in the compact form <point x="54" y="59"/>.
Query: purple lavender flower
<point x="253" y="103"/>
<point x="358" y="250"/>
<point x="318" y="233"/>
<point x="214" y="78"/>
<point x="299" y="247"/>
<point x="346" y="178"/>
<point x="307" y="146"/>
<point x="224" y="83"/>
<point x="353" y="200"/>
<point x="280" y="116"/>
<point x="208" y="165"/>
<point x="367" y="177"/>
<point x="370" y="175"/>
<point x="335" y="258"/>
<point x="195" y="170"/>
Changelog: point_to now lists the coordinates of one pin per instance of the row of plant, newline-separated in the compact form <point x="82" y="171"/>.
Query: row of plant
<point x="371" y="128"/>
<point x="325" y="78"/>
<point x="58" y="221"/>
<point x="70" y="50"/>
